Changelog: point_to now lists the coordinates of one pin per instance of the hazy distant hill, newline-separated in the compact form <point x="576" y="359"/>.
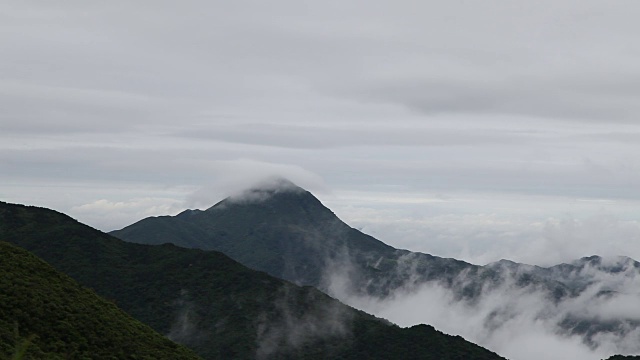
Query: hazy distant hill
<point x="284" y="230"/>
<point x="55" y="318"/>
<point x="214" y="305"/>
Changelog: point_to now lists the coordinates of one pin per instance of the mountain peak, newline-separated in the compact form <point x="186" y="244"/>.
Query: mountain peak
<point x="265" y="190"/>
<point x="275" y="183"/>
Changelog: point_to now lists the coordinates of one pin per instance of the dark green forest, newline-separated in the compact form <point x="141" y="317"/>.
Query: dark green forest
<point x="44" y="314"/>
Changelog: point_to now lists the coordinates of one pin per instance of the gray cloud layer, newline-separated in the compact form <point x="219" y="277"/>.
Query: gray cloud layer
<point x="151" y="107"/>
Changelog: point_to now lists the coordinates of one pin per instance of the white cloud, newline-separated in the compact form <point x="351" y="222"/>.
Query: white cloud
<point x="234" y="177"/>
<point x="111" y="215"/>
<point x="483" y="228"/>
<point x="435" y="96"/>
<point x="518" y="323"/>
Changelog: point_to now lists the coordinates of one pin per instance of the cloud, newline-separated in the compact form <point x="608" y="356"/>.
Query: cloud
<point x="539" y="60"/>
<point x="111" y="215"/>
<point x="38" y="108"/>
<point x="483" y="228"/>
<point x="516" y="321"/>
<point x="184" y="329"/>
<point x="290" y="328"/>
<point x="350" y="135"/>
<point x="454" y="95"/>
<point x="553" y="98"/>
<point x="264" y="189"/>
<point x="235" y="177"/>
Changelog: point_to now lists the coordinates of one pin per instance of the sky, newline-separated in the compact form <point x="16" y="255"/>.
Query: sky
<point x="476" y="130"/>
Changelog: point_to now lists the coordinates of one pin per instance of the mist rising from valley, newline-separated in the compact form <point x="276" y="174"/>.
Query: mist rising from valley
<point x="516" y="321"/>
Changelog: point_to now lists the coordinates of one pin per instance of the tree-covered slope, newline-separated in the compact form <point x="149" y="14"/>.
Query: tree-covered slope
<point x="53" y="317"/>
<point x="214" y="305"/>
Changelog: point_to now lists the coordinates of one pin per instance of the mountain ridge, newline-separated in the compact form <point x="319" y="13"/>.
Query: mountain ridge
<point x="292" y="212"/>
<point x="292" y="235"/>
<point x="215" y="306"/>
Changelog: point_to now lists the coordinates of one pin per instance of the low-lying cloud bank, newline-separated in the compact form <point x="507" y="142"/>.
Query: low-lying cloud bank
<point x="517" y="313"/>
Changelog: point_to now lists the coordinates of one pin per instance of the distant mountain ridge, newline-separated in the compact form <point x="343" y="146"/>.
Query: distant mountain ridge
<point x="288" y="233"/>
<point x="216" y="306"/>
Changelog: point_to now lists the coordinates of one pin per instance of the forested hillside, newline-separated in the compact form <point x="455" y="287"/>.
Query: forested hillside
<point x="44" y="314"/>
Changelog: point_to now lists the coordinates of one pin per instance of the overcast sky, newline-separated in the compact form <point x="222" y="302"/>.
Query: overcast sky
<point x="473" y="129"/>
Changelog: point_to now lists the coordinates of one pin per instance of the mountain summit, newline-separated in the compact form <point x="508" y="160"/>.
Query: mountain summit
<point x="265" y="189"/>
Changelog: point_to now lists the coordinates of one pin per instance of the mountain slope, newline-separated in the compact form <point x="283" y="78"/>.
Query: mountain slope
<point x="289" y="235"/>
<point x="66" y="319"/>
<point x="215" y="306"/>
<point x="285" y="231"/>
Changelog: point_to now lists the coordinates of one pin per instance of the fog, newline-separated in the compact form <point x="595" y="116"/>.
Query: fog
<point x="184" y="329"/>
<point x="292" y="328"/>
<point x="517" y="322"/>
